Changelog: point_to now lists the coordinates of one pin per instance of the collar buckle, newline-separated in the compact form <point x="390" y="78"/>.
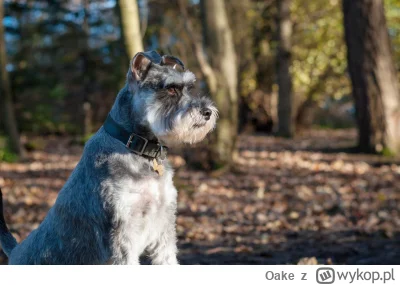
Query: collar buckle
<point x="162" y="152"/>
<point x="128" y="144"/>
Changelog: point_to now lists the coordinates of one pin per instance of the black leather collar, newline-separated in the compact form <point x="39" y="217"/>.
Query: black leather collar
<point x="134" y="142"/>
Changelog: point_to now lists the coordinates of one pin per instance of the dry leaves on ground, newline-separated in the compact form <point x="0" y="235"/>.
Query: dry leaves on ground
<point x="301" y="201"/>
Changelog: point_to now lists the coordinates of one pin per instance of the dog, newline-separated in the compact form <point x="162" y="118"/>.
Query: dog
<point x="120" y="202"/>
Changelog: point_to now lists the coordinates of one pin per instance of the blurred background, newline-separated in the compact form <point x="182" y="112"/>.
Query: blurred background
<point x="304" y="165"/>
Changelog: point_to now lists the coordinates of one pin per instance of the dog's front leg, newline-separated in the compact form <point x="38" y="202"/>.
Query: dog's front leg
<point x="124" y="248"/>
<point x="165" y="250"/>
<point x="125" y="256"/>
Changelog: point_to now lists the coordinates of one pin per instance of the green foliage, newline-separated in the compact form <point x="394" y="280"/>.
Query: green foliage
<point x="6" y="154"/>
<point x="387" y="152"/>
<point x="86" y="138"/>
<point x="319" y="52"/>
<point x="392" y="8"/>
<point x="58" y="92"/>
<point x="81" y="140"/>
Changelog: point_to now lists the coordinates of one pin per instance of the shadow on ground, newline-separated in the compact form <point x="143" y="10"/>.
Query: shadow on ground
<point x="350" y="247"/>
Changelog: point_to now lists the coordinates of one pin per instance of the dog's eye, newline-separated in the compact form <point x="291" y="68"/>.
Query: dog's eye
<point x="172" y="91"/>
<point x="190" y="87"/>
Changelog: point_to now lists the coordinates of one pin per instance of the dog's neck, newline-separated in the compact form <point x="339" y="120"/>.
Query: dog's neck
<point x="122" y="113"/>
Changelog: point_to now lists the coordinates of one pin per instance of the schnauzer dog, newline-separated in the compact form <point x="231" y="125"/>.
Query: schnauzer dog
<point x="120" y="201"/>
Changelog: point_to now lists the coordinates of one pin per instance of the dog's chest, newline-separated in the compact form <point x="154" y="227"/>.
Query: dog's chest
<point x="144" y="205"/>
<point x="147" y="196"/>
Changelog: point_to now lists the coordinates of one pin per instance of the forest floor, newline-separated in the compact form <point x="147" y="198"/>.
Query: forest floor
<point x="303" y="201"/>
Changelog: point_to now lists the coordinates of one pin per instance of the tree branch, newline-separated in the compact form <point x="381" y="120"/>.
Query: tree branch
<point x="205" y="66"/>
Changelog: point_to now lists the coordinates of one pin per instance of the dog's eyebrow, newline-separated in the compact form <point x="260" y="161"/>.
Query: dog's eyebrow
<point x="174" y="85"/>
<point x="188" y="77"/>
<point x="179" y="80"/>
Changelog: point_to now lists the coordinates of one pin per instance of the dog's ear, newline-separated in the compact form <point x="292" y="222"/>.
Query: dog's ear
<point x="173" y="61"/>
<point x="140" y="65"/>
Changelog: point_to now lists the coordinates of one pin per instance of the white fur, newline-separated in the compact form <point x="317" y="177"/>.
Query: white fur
<point x="145" y="208"/>
<point x="183" y="130"/>
<point x="189" y="77"/>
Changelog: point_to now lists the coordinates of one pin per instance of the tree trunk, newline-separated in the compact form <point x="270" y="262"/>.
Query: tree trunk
<point x="7" y="108"/>
<point x="285" y="103"/>
<point x="131" y="26"/>
<point x="241" y="21"/>
<point x="222" y="58"/>
<point x="87" y="106"/>
<point x="373" y="75"/>
<point x="266" y="66"/>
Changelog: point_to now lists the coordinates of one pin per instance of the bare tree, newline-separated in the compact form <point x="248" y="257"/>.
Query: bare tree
<point x="285" y="103"/>
<point x="221" y="52"/>
<point x="130" y="20"/>
<point x="373" y="75"/>
<point x="220" y="72"/>
<point x="7" y="108"/>
<point x="242" y="24"/>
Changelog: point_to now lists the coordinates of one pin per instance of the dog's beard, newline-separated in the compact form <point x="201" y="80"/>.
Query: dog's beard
<point x="186" y="126"/>
<point x="191" y="127"/>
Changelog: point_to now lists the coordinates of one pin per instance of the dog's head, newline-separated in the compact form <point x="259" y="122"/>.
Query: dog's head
<point x="164" y="100"/>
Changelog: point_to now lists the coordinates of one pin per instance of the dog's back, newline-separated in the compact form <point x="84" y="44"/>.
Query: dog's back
<point x="75" y="230"/>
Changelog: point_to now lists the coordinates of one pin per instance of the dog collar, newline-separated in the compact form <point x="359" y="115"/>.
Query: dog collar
<point x="134" y="142"/>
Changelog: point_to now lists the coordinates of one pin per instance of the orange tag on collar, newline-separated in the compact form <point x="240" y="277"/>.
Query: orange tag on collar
<point x="159" y="168"/>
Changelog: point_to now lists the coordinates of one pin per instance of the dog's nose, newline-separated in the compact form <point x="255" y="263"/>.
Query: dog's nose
<point x="206" y="113"/>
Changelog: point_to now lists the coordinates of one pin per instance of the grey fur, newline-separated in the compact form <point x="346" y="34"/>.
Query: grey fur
<point x="114" y="206"/>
